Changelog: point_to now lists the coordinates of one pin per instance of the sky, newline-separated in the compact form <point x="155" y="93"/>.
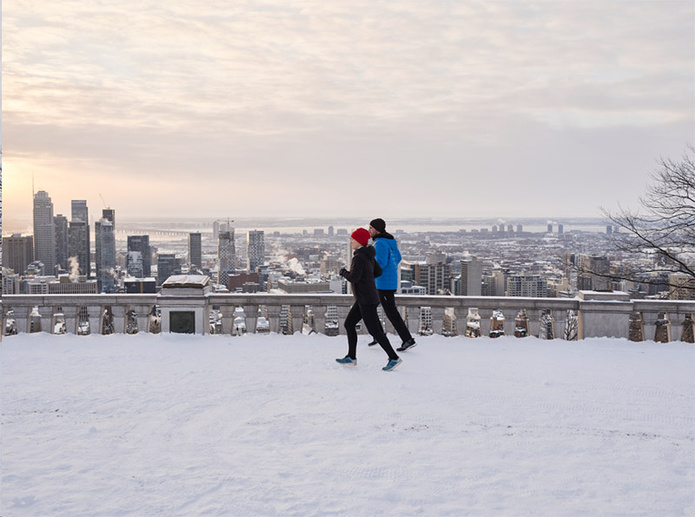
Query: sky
<point x="289" y="108"/>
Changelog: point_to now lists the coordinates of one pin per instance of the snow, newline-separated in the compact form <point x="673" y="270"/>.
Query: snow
<point x="179" y="425"/>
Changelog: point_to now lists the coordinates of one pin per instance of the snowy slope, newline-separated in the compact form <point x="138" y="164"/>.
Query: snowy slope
<point x="270" y="425"/>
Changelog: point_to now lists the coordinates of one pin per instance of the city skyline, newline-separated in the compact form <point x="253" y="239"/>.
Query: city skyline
<point x="301" y="109"/>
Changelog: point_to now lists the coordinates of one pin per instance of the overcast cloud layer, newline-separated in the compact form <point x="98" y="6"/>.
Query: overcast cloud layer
<point x="464" y="109"/>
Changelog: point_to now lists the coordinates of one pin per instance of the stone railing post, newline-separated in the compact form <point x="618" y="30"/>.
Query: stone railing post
<point x="70" y="312"/>
<point x="94" y="315"/>
<point x="227" y="313"/>
<point x="342" y="314"/>
<point x="297" y="312"/>
<point x="437" y="319"/>
<point x="142" y="313"/>
<point x="251" y="312"/>
<point x="274" y="317"/>
<point x="118" y="312"/>
<point x="21" y="317"/>
<point x="319" y="318"/>
<point x="46" y="312"/>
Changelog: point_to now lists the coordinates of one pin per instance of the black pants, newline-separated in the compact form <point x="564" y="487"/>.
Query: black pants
<point x="371" y="320"/>
<point x="388" y="302"/>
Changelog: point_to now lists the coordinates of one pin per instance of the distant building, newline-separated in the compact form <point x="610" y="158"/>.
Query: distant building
<point x="226" y="255"/>
<point x="167" y="265"/>
<point x="255" y="249"/>
<point x="534" y="286"/>
<point x="17" y="252"/>
<point x="60" y="223"/>
<point x="331" y="231"/>
<point x="139" y="257"/>
<point x="682" y="286"/>
<point x="550" y="227"/>
<point x="593" y="273"/>
<point x="105" y="240"/>
<point x="140" y="285"/>
<point x="44" y="230"/>
<point x="10" y="282"/>
<point x="297" y="287"/>
<point x="78" y="247"/>
<point x="435" y="278"/>
<point x="195" y="251"/>
<point x="237" y="281"/>
<point x="471" y="277"/>
<point x="560" y="229"/>
<point x="519" y="228"/>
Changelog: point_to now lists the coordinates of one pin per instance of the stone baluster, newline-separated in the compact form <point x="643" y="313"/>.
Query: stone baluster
<point x="94" y="314"/>
<point x="46" y="312"/>
<point x="412" y="319"/>
<point x="342" y="314"/>
<point x="142" y="315"/>
<point x="251" y="312"/>
<point x="21" y="317"/>
<point x="534" y="321"/>
<point x="274" y="317"/>
<point x="320" y="318"/>
<point x="437" y="319"/>
<point x="297" y="312"/>
<point x="118" y="312"/>
<point x="649" y="326"/>
<point x="227" y="313"/>
<point x="70" y="312"/>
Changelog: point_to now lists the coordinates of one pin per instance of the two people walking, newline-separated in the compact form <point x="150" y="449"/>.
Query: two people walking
<point x="368" y="265"/>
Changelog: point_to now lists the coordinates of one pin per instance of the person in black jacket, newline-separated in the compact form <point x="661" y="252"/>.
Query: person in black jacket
<point x="363" y="269"/>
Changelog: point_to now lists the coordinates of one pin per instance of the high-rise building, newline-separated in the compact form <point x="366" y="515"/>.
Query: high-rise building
<point x="226" y="255"/>
<point x="534" y="286"/>
<point x="61" y="234"/>
<point x="139" y="257"/>
<point x="195" y="251"/>
<point x="435" y="278"/>
<point x="471" y="277"/>
<point x="256" y="249"/>
<point x="78" y="247"/>
<point x="105" y="240"/>
<point x="17" y="252"/>
<point x="560" y="229"/>
<point x="44" y="231"/>
<point x="593" y="273"/>
<point x="79" y="236"/>
<point x="167" y="265"/>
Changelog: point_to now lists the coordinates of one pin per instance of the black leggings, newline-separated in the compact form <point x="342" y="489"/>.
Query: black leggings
<point x="388" y="302"/>
<point x="371" y="320"/>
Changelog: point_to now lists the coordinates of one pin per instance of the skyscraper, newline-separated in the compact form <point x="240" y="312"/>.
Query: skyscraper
<point x="60" y="222"/>
<point x="79" y="236"/>
<point x="167" y="265"/>
<point x="256" y="249"/>
<point x="226" y="255"/>
<point x="44" y="231"/>
<point x="195" y="251"/>
<point x="105" y="240"/>
<point x="471" y="277"/>
<point x="78" y="246"/>
<point x="17" y="252"/>
<point x="139" y="244"/>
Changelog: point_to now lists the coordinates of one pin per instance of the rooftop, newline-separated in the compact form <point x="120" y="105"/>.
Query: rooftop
<point x="178" y="424"/>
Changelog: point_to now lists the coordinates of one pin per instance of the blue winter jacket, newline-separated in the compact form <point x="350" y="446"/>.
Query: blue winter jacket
<point x="388" y="257"/>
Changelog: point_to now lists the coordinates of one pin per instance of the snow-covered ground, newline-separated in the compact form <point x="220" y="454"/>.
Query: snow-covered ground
<point x="179" y="425"/>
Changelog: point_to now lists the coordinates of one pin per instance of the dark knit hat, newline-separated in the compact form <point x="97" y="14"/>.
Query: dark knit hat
<point x="361" y="235"/>
<point x="378" y="224"/>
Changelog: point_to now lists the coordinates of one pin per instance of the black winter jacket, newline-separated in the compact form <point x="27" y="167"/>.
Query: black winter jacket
<point x="361" y="276"/>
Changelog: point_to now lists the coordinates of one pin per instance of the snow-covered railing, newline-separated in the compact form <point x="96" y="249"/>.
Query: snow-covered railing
<point x="591" y="314"/>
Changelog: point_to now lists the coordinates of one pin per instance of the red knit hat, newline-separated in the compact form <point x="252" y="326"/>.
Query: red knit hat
<point x="361" y="235"/>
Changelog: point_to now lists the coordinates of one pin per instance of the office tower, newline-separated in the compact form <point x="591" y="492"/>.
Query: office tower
<point x="167" y="265"/>
<point x="226" y="255"/>
<point x="60" y="222"/>
<point x="435" y="278"/>
<point x="78" y="247"/>
<point x="110" y="215"/>
<point x="139" y="257"/>
<point x="560" y="229"/>
<point x="534" y="286"/>
<point x="519" y="228"/>
<point x="550" y="227"/>
<point x="44" y="231"/>
<point x="79" y="236"/>
<point x="471" y="277"/>
<point x="195" y="251"/>
<point x="256" y="249"/>
<point x="593" y="273"/>
<point x="331" y="231"/>
<point x="105" y="240"/>
<point x="17" y="252"/>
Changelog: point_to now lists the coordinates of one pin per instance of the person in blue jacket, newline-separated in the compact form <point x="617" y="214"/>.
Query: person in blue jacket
<point x="388" y="257"/>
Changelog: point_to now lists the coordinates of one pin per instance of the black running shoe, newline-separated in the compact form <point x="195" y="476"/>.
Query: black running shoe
<point x="407" y="345"/>
<point x="372" y="343"/>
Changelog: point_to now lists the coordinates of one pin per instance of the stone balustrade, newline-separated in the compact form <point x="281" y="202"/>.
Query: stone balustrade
<point x="591" y="314"/>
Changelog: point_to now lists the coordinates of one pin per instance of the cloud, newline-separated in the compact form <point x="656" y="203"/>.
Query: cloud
<point x="340" y="97"/>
